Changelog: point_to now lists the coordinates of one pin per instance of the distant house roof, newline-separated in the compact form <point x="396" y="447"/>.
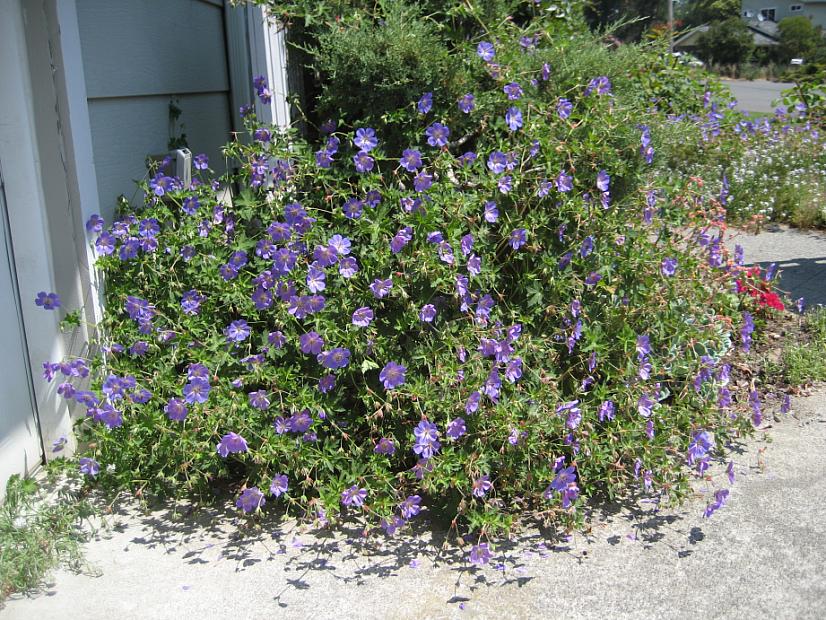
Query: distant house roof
<point x="764" y="33"/>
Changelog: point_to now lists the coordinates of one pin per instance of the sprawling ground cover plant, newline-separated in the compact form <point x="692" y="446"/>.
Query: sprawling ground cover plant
<point x="500" y="317"/>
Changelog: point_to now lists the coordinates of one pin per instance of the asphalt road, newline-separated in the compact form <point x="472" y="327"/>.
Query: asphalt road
<point x="756" y="95"/>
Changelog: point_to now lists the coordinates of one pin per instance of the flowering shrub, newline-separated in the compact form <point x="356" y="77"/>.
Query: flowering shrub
<point x="500" y="317"/>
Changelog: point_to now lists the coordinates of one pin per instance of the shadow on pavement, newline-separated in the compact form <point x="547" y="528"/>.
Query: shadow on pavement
<point x="802" y="277"/>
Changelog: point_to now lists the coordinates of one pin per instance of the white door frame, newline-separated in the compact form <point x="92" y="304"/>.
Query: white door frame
<point x="28" y="214"/>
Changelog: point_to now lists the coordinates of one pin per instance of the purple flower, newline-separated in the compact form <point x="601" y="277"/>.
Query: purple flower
<point x="606" y="411"/>
<point x="410" y="507"/>
<point x="486" y="51"/>
<point x="668" y="267"/>
<point x="381" y="288"/>
<point x="89" y="466"/>
<point x="480" y="554"/>
<point x="411" y="160"/>
<point x="574" y="413"/>
<point x="564" y="108"/>
<point x="259" y="400"/>
<point x="385" y="446"/>
<point x="401" y="239"/>
<point x="603" y="181"/>
<point x="513" y="371"/>
<point x="139" y="348"/>
<point x="720" y="497"/>
<point x="491" y="212"/>
<point x="392" y="375"/>
<point x="335" y="358"/>
<point x="354" y="496"/>
<point x="364" y="163"/>
<point x="47" y="301"/>
<point x="592" y="278"/>
<point x="587" y="246"/>
<point x="316" y="279"/>
<point x="425" y="103"/>
<point x="427" y="313"/>
<point x="365" y="139"/>
<point x="701" y="444"/>
<point x="196" y="391"/>
<point x="348" y="267"/>
<point x="754" y="402"/>
<point x="94" y="223"/>
<point x="299" y="422"/>
<point x="518" y="238"/>
<point x="497" y="162"/>
<point x="323" y="158"/>
<point x="481" y="486"/>
<point x="466" y="244"/>
<point x="279" y="485"/>
<point x="645" y="406"/>
<point x="456" y="428"/>
<point x="427" y="439"/>
<point x="513" y="118"/>
<point x="231" y="443"/>
<point x="191" y="302"/>
<point x="467" y="103"/>
<point x="513" y="91"/>
<point x="390" y="527"/>
<point x="564" y="182"/>
<point x="362" y="316"/>
<point x="250" y="500"/>
<point x="422" y="181"/>
<point x="602" y="86"/>
<point x="176" y="410"/>
<point x="326" y="383"/>
<point x="437" y="134"/>
<point x="565" y="484"/>
<point x="105" y="244"/>
<point x="341" y="245"/>
<point x="197" y="371"/>
<point x="237" y="331"/>
<point x="746" y="331"/>
<point x="546" y="72"/>
<point x="643" y="346"/>
<point x="474" y="265"/>
<point x="467" y="159"/>
<point x="472" y="404"/>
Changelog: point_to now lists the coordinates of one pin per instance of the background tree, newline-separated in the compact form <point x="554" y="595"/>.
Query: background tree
<point x="705" y="11"/>
<point x="602" y="13"/>
<point x="728" y="42"/>
<point x="799" y="38"/>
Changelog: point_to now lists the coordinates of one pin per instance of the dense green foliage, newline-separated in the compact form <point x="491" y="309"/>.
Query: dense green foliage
<point x="535" y="369"/>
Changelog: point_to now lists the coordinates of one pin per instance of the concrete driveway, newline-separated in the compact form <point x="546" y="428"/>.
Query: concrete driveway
<point x="760" y="556"/>
<point x="756" y="95"/>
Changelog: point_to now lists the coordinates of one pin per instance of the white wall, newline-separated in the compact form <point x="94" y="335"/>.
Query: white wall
<point x="136" y="56"/>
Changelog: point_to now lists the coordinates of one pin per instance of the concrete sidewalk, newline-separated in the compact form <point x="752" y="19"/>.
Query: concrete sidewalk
<point x="762" y="555"/>
<point x="800" y="256"/>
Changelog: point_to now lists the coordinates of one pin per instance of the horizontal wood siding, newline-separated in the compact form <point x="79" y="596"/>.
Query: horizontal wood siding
<point x="138" y="55"/>
<point x="124" y="131"/>
<point x="151" y="47"/>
